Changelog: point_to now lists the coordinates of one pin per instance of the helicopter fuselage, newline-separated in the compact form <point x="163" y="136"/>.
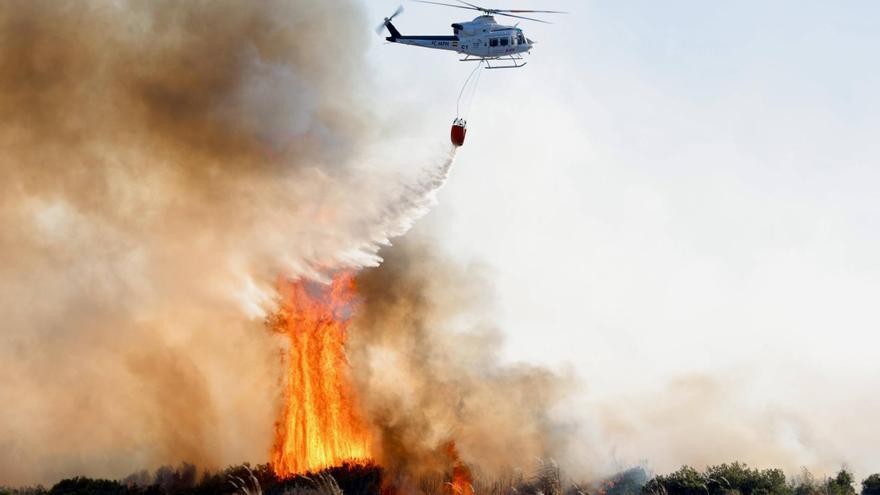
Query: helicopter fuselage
<point x="482" y="38"/>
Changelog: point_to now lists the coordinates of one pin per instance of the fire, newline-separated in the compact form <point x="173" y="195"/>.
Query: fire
<point x="462" y="481"/>
<point x="320" y="426"/>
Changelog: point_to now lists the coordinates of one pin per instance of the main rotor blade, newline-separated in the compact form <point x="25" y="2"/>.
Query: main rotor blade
<point x="500" y="11"/>
<point x="472" y="5"/>
<point x="446" y="4"/>
<point x="526" y="18"/>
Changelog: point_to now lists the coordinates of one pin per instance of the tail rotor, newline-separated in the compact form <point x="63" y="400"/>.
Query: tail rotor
<point x="388" y="20"/>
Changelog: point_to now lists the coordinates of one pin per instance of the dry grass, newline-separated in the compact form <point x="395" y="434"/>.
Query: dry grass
<point x="249" y="486"/>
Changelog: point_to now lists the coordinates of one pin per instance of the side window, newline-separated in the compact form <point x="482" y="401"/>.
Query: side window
<point x="504" y="41"/>
<point x="493" y="42"/>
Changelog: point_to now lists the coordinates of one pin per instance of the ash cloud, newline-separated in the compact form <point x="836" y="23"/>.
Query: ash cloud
<point x="163" y="162"/>
<point x="425" y="360"/>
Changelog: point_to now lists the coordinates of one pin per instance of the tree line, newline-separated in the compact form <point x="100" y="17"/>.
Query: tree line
<point x="724" y="479"/>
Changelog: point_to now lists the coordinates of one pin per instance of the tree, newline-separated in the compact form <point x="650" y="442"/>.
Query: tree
<point x="741" y="478"/>
<point x="842" y="484"/>
<point x="871" y="485"/>
<point x="685" y="481"/>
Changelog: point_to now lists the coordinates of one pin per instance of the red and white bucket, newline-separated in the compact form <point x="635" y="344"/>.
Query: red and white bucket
<point x="459" y="129"/>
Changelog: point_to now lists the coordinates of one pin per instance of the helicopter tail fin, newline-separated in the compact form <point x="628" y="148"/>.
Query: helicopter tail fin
<point x="395" y="34"/>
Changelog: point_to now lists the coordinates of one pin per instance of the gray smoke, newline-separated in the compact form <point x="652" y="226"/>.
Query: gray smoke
<point x="425" y="359"/>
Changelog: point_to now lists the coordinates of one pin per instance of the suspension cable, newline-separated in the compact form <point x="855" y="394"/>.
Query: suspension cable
<point x="461" y="93"/>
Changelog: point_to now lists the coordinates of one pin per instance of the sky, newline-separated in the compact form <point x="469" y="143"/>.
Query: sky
<point x="676" y="203"/>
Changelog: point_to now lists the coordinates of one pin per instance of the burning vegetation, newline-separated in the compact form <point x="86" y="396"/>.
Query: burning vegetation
<point x="377" y="376"/>
<point x="321" y="426"/>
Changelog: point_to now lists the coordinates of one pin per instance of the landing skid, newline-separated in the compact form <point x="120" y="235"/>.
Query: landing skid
<point x="508" y="62"/>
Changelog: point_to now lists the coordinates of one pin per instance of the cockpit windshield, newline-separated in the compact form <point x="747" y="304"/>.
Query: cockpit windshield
<point x="520" y="39"/>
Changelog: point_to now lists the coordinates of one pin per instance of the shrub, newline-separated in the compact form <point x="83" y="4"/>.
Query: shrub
<point x="741" y="478"/>
<point x="629" y="482"/>
<point x="685" y="481"/>
<point x="87" y="486"/>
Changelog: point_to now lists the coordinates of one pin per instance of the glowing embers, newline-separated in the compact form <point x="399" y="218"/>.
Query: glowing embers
<point x="320" y="426"/>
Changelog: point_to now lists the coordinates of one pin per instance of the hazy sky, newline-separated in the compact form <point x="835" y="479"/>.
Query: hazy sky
<point x="678" y="199"/>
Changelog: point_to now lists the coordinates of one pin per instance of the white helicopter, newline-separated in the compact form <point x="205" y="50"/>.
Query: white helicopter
<point x="482" y="39"/>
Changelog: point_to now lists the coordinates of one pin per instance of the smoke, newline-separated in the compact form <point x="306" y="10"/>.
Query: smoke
<point x="424" y="356"/>
<point x="163" y="162"/>
<point x="703" y="419"/>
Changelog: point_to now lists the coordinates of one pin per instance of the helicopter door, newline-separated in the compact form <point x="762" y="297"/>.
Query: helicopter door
<point x="498" y="46"/>
<point x="504" y="46"/>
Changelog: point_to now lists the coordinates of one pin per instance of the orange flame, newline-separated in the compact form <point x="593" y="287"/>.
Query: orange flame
<point x="462" y="481"/>
<point x="320" y="427"/>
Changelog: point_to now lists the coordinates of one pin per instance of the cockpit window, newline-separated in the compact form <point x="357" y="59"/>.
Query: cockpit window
<point x="521" y="39"/>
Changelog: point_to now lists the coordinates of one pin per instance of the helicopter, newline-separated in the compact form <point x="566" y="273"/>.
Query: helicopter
<point x="480" y="40"/>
